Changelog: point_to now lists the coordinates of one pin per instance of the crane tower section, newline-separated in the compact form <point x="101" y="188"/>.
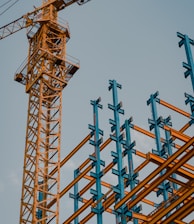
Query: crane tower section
<point x="45" y="74"/>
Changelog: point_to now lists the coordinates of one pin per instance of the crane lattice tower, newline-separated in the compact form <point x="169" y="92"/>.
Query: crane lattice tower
<point x="45" y="74"/>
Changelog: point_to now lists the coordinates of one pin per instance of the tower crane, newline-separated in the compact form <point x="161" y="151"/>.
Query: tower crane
<point x="45" y="73"/>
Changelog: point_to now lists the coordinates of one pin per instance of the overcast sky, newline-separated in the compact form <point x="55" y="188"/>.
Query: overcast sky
<point x="132" y="41"/>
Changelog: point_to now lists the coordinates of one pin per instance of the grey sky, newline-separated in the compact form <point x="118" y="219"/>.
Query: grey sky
<point x="131" y="41"/>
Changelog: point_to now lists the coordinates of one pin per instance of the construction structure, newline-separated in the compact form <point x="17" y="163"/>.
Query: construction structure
<point x="157" y="189"/>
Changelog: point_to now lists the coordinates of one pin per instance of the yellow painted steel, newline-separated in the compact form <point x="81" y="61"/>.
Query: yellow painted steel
<point x="178" y="110"/>
<point x="45" y="75"/>
<point x="165" y="210"/>
<point x="158" y="170"/>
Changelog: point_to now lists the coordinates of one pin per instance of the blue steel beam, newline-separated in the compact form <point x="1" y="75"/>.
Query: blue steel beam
<point x="129" y="150"/>
<point x="122" y="212"/>
<point x="168" y="144"/>
<point x="156" y="123"/>
<point x="97" y="161"/>
<point x="189" y="66"/>
<point x="76" y="196"/>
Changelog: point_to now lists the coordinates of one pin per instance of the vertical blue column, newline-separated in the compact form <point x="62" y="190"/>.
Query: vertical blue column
<point x="155" y="123"/>
<point x="186" y="41"/>
<point x="97" y="162"/>
<point x="40" y="198"/>
<point x="168" y="144"/>
<point x="76" y="196"/>
<point x="129" y="150"/>
<point x="118" y="138"/>
<point x="190" y="101"/>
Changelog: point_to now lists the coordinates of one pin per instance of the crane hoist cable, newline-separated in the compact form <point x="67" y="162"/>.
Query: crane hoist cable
<point x="7" y="7"/>
<point x="5" y="3"/>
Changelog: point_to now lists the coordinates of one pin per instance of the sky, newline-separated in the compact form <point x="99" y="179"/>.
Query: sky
<point x="133" y="42"/>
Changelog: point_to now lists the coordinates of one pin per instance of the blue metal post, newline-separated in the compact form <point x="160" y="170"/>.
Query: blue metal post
<point x="190" y="101"/>
<point x="155" y="123"/>
<point x="118" y="138"/>
<point x="76" y="196"/>
<point x="97" y="161"/>
<point x="129" y="150"/>
<point x="168" y="144"/>
<point x="40" y="198"/>
<point x="189" y="65"/>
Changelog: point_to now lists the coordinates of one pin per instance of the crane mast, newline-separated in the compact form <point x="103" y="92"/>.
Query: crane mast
<point x="45" y="73"/>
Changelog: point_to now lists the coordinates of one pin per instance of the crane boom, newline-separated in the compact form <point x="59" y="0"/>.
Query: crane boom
<point x="33" y="17"/>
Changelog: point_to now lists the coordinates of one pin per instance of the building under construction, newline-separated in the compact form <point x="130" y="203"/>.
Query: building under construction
<point x="117" y="182"/>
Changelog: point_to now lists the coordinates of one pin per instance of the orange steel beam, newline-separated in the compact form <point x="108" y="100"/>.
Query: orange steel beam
<point x="179" y="222"/>
<point x="158" y="160"/>
<point x="88" y="217"/>
<point x="105" y="184"/>
<point x="185" y="127"/>
<point x="89" y="185"/>
<point x="165" y="210"/>
<point x="181" y="213"/>
<point x="77" y="148"/>
<point x="177" y="134"/>
<point x="143" y="131"/>
<point x="135" y="215"/>
<point x="158" y="180"/>
<point x="173" y="180"/>
<point x="86" y="139"/>
<point x="144" y="155"/>
<point x="180" y="192"/>
<point x="106" y="205"/>
<point x="153" y="174"/>
<point x="110" y="200"/>
<point x="101" y="148"/>
<point x="109" y="210"/>
<point x="108" y="168"/>
<point x="81" y="175"/>
<point x="79" y="211"/>
<point x="170" y="106"/>
<point x="68" y="187"/>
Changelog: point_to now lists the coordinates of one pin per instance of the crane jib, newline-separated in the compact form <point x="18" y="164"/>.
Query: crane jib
<point x="31" y="17"/>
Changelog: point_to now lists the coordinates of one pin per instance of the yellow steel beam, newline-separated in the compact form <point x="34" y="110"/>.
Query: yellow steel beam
<point x="176" y="181"/>
<point x="183" y="212"/>
<point x="105" y="184"/>
<point x="106" y="204"/>
<point x="160" y="179"/>
<point x="170" y="106"/>
<point x="184" y="173"/>
<point x="77" y="148"/>
<point x="153" y="174"/>
<point x="78" y="212"/>
<point x="110" y="200"/>
<point x="185" y="127"/>
<point x="70" y="185"/>
<point x="172" y="202"/>
<point x="165" y="210"/>
<point x="177" y="134"/>
<point x="101" y="148"/>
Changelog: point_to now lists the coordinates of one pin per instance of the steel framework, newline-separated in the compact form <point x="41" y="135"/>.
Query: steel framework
<point x="159" y="189"/>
